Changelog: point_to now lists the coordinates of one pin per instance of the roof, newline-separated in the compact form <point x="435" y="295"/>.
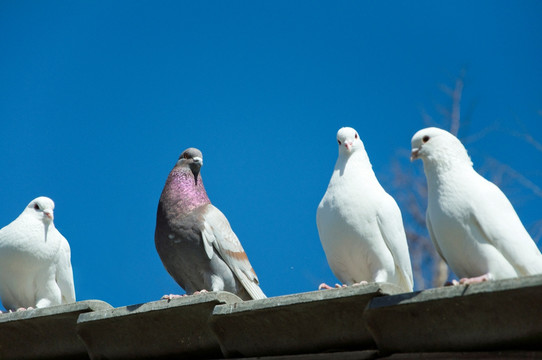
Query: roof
<point x="486" y="320"/>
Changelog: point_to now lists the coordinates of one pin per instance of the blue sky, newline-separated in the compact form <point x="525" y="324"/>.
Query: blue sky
<point x="99" y="98"/>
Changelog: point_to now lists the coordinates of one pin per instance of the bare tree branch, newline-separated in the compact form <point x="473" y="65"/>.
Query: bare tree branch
<point x="528" y="138"/>
<point x="500" y="170"/>
<point x="480" y="134"/>
<point x="456" y="104"/>
<point x="536" y="230"/>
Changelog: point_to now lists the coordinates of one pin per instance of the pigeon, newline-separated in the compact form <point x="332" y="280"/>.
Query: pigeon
<point x="194" y="239"/>
<point x="359" y="224"/>
<point x="471" y="222"/>
<point x="35" y="265"/>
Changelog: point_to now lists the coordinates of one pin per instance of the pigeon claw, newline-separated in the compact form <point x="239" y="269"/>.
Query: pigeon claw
<point x="475" y="280"/>
<point x="472" y="280"/>
<point x="172" y="296"/>
<point x="324" y="286"/>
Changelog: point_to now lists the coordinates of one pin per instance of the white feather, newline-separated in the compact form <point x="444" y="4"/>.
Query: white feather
<point x="471" y="222"/>
<point x="360" y="225"/>
<point x="35" y="267"/>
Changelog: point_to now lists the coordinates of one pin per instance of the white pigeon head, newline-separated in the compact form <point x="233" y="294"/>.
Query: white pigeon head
<point x="434" y="145"/>
<point x="41" y="208"/>
<point x="349" y="141"/>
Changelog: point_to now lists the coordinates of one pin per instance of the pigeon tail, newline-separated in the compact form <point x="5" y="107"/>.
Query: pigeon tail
<point x="253" y="289"/>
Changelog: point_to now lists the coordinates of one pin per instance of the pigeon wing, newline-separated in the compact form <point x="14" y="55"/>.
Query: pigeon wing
<point x="64" y="273"/>
<point x="393" y="233"/>
<point x="432" y="235"/>
<point x="217" y="234"/>
<point x="498" y="223"/>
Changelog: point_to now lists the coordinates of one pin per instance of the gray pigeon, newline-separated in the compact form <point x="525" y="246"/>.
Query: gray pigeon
<point x="194" y="239"/>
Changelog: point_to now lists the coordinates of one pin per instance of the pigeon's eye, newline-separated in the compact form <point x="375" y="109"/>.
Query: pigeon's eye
<point x="339" y="141"/>
<point x="36" y="206"/>
<point x="425" y="139"/>
<point x="185" y="156"/>
<point x="356" y="136"/>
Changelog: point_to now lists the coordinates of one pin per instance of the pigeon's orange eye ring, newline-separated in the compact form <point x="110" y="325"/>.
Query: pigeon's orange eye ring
<point x="425" y="138"/>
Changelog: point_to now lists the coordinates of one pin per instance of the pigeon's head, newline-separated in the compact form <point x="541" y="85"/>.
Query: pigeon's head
<point x="348" y="140"/>
<point x="191" y="158"/>
<point x="439" y="146"/>
<point x="42" y="209"/>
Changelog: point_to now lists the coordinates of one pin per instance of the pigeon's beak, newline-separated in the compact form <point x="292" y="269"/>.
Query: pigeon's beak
<point x="348" y="145"/>
<point x="197" y="160"/>
<point x="48" y="213"/>
<point x="195" y="167"/>
<point x="414" y="154"/>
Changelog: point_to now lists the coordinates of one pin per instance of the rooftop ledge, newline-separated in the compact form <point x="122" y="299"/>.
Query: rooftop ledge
<point x="495" y="319"/>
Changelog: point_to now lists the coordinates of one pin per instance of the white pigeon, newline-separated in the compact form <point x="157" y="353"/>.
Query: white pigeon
<point x="360" y="225"/>
<point x="35" y="266"/>
<point x="471" y="222"/>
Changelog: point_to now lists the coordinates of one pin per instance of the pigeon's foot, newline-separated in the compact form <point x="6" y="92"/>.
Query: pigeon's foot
<point x="324" y="286"/>
<point x="360" y="283"/>
<point x="172" y="296"/>
<point x="472" y="280"/>
<point x="24" y="309"/>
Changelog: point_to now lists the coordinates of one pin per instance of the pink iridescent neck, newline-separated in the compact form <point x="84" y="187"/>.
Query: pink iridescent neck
<point x="182" y="192"/>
